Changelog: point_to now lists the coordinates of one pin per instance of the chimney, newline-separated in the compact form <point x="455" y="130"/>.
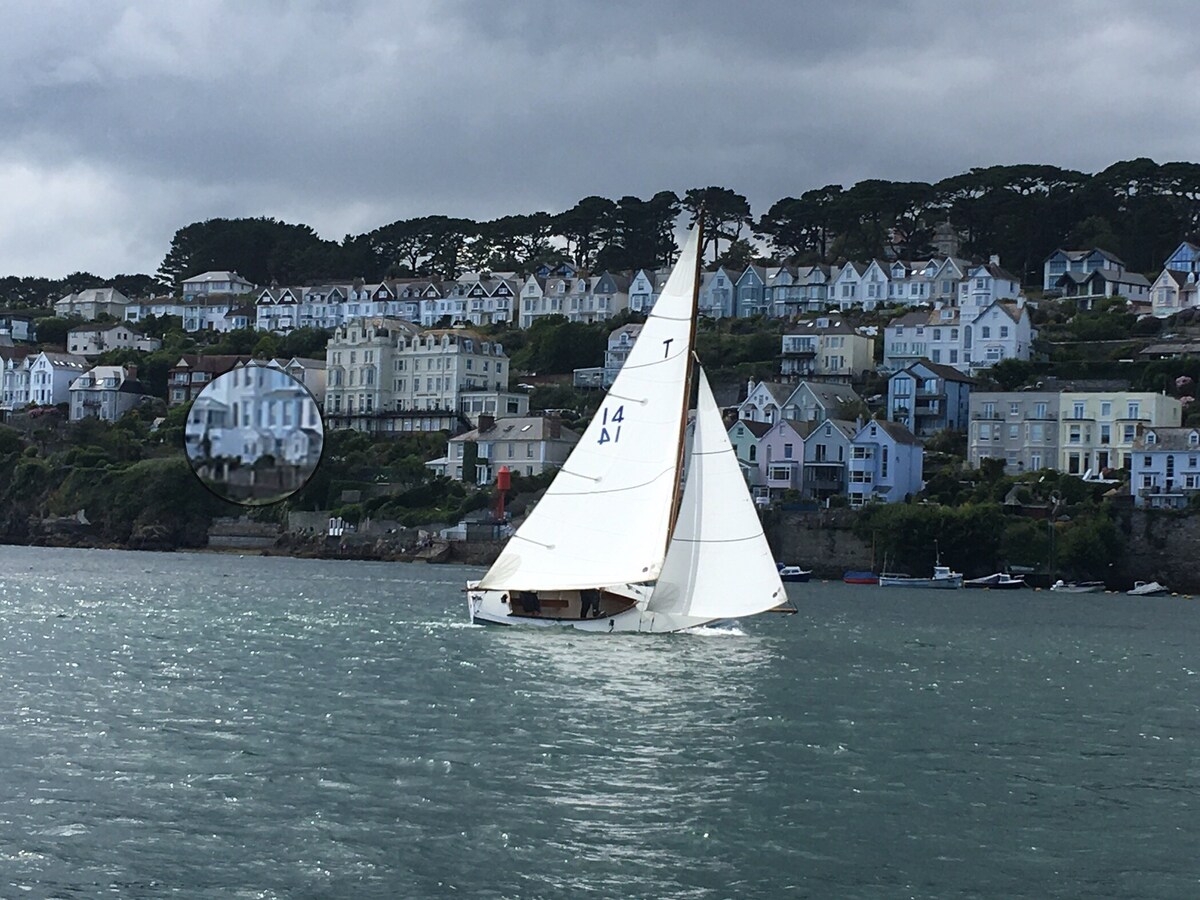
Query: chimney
<point x="994" y="259"/>
<point x="553" y="426"/>
<point x="486" y="421"/>
<point x="131" y="373"/>
<point x="749" y="387"/>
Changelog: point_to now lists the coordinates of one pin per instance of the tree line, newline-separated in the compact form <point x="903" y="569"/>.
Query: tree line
<point x="1137" y="209"/>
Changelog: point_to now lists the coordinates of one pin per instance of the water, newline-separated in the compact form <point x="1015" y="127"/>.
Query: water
<point x="214" y="726"/>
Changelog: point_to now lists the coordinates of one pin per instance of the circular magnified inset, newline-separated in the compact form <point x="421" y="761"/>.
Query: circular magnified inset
<point x="254" y="435"/>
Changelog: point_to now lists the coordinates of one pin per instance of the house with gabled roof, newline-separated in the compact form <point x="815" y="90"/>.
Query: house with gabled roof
<point x="816" y="401"/>
<point x="1185" y="258"/>
<point x="927" y="397"/>
<point x="106" y="392"/>
<point x="826" y="454"/>
<point x="525" y="445"/>
<point x="1174" y="290"/>
<point x="1078" y="262"/>
<point x="781" y="456"/>
<point x="1088" y="287"/>
<point x="886" y="461"/>
<point x="715" y="295"/>
<point x="765" y="401"/>
<point x="1165" y="472"/>
<point x="744" y="436"/>
<point x="847" y="288"/>
<point x="750" y="291"/>
<point x="1002" y="330"/>
<point x="50" y="377"/>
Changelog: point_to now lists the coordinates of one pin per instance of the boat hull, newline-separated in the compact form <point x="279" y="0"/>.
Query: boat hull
<point x="494" y="608"/>
<point x="1000" y="582"/>
<point x="949" y="584"/>
<point x="860" y="578"/>
<point x="1085" y="588"/>
<point x="794" y="574"/>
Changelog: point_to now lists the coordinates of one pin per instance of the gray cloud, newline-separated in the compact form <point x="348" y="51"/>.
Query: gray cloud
<point x="120" y="122"/>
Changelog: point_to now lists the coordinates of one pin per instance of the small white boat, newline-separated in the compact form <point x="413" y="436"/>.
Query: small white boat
<point x="942" y="578"/>
<point x="1000" y="581"/>
<point x="1077" y="587"/>
<point x="1148" y="589"/>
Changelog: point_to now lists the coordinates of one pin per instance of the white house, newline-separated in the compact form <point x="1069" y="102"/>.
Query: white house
<point x="216" y="282"/>
<point x="1078" y="262"/>
<point x="91" y="303"/>
<point x="105" y="392"/>
<point x="1003" y="330"/>
<point x="92" y="340"/>
<point x="1173" y="291"/>
<point x="526" y="445"/>
<point x="50" y="377"/>
<point x="1166" y="467"/>
<point x="847" y="286"/>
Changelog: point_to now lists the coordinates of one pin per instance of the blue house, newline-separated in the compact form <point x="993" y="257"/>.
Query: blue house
<point x="926" y="397"/>
<point x="750" y="292"/>
<point x="885" y="464"/>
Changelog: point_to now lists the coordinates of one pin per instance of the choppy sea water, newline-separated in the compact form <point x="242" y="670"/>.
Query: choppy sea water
<point x="213" y="726"/>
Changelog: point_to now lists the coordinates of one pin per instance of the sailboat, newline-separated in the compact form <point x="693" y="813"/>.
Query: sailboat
<point x="616" y="544"/>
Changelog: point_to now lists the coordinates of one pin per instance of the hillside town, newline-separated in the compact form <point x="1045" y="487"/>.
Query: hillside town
<point x="408" y="355"/>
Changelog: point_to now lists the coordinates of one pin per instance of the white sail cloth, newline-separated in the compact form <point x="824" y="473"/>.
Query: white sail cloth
<point x="606" y="517"/>
<point x="719" y="565"/>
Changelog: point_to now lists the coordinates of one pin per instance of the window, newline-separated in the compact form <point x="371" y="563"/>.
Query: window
<point x="1105" y="434"/>
<point x="1135" y="409"/>
<point x="1105" y="409"/>
<point x="1014" y="408"/>
<point x="1013" y="431"/>
<point x="985" y="332"/>
<point x="753" y="453"/>
<point x="1151" y="437"/>
<point x="781" y="473"/>
<point x="787" y="451"/>
<point x="1039" y="410"/>
<point x="1003" y="331"/>
<point x="1077" y="409"/>
<point x="1035" y="461"/>
<point x="1129" y="433"/>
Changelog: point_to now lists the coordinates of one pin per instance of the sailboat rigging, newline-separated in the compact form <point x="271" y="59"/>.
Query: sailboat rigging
<point x="615" y="544"/>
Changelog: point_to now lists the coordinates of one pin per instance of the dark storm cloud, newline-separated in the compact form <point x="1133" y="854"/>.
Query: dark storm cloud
<point x="120" y="122"/>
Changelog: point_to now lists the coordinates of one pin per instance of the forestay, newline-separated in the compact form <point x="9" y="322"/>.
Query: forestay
<point x="719" y="565"/>
<point x="605" y="519"/>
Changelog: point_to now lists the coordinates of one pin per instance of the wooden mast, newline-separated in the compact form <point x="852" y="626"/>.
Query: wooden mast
<point x="677" y="491"/>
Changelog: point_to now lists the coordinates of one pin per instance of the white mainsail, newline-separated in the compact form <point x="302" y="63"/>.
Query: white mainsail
<point x="605" y="519"/>
<point x="719" y="565"/>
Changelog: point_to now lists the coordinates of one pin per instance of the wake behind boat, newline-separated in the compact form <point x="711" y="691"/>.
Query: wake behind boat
<point x="615" y="544"/>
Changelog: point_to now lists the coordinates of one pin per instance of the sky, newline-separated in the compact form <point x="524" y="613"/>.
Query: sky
<point x="121" y="122"/>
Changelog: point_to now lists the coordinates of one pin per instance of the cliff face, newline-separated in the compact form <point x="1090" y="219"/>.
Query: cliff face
<point x="1162" y="546"/>
<point x="822" y="541"/>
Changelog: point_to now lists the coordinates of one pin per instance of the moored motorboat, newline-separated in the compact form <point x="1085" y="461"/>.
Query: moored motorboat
<point x="854" y="576"/>
<point x="793" y="574"/>
<point x="1000" y="581"/>
<point x="943" y="579"/>
<point x="1077" y="587"/>
<point x="1148" y="589"/>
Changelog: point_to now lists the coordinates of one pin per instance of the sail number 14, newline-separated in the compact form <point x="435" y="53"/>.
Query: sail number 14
<point x="614" y="421"/>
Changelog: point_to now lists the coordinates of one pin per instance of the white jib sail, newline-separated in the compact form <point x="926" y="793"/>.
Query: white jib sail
<point x="719" y="565"/>
<point x="605" y="518"/>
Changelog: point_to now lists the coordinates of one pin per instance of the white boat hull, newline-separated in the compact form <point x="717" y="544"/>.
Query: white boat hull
<point x="560" y="609"/>
<point x="934" y="583"/>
